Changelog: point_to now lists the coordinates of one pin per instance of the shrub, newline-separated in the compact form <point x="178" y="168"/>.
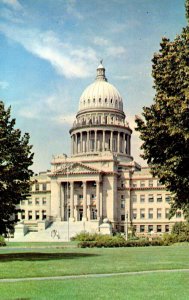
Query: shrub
<point x="2" y="241"/>
<point x="84" y="236"/>
<point x="119" y="242"/>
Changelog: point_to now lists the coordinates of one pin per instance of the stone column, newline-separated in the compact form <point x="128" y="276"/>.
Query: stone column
<point x="84" y="201"/>
<point x="103" y="140"/>
<point x="129" y="146"/>
<point x="87" y="141"/>
<point x="124" y="150"/>
<point x="111" y="140"/>
<point x="98" y="199"/>
<point x="95" y="145"/>
<point x="71" y="201"/>
<point x="81" y="141"/>
<point x="118" y="142"/>
<point x="62" y="202"/>
<point x="76" y="146"/>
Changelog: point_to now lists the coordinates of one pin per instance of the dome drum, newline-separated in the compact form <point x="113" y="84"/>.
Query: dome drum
<point x="100" y="124"/>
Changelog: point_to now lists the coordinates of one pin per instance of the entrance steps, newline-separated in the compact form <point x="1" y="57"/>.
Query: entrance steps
<point x="58" y="232"/>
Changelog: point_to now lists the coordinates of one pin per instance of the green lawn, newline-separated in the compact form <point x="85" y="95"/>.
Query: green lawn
<point x="37" y="262"/>
<point x="42" y="261"/>
<point x="171" y="286"/>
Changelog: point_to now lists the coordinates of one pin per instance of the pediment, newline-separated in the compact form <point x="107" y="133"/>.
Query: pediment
<point x="75" y="168"/>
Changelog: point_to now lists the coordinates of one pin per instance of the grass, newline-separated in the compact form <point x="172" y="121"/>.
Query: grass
<point x="149" y="286"/>
<point x="46" y="259"/>
<point x="44" y="262"/>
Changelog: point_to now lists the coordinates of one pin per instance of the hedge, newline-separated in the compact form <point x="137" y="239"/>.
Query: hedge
<point x="120" y="243"/>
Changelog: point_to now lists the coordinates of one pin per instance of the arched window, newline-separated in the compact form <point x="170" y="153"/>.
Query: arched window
<point x="93" y="100"/>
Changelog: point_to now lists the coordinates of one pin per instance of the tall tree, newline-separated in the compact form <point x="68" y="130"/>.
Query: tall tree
<point x="164" y="129"/>
<point x="15" y="159"/>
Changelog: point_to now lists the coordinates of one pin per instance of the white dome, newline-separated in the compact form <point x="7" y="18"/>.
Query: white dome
<point x="100" y="94"/>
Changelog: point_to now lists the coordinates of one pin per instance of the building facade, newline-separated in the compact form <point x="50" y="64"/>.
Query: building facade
<point x="100" y="180"/>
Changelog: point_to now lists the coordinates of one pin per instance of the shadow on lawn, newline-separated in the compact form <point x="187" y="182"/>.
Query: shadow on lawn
<point x="41" y="256"/>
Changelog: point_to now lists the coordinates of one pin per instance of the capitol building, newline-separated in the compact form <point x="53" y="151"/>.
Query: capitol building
<point x="99" y="187"/>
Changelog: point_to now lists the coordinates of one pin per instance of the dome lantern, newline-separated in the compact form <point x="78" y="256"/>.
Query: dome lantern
<point x="101" y="72"/>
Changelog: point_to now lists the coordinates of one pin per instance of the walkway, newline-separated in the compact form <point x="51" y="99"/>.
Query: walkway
<point x="91" y="275"/>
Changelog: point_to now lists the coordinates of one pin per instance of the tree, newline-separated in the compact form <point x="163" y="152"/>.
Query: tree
<point x="15" y="159"/>
<point x="164" y="129"/>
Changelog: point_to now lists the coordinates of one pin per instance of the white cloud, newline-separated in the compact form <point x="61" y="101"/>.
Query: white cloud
<point x="100" y="41"/>
<point x="66" y="59"/>
<point x="108" y="46"/>
<point x="4" y="85"/>
<point x="12" y="3"/>
<point x="116" y="51"/>
<point x="122" y="77"/>
<point x="71" y="9"/>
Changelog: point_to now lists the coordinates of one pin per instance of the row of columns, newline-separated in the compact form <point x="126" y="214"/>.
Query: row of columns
<point x="82" y="141"/>
<point x="69" y="203"/>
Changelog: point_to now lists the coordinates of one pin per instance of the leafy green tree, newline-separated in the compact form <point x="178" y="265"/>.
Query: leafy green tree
<point x="15" y="159"/>
<point x="164" y="129"/>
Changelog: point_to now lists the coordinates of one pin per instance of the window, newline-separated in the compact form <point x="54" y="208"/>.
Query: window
<point x="167" y="198"/>
<point x="142" y="213"/>
<point x="159" y="198"/>
<point x="159" y="228"/>
<point x="122" y="184"/>
<point x="166" y="228"/>
<point x="142" y="183"/>
<point x="23" y="215"/>
<point x="37" y="187"/>
<point x="142" y="228"/>
<point x="29" y="215"/>
<point x="29" y="201"/>
<point x="142" y="198"/>
<point x="134" y="199"/>
<point x="122" y="203"/>
<point x="178" y="214"/>
<point x="36" y="201"/>
<point x="159" y="213"/>
<point x="134" y="214"/>
<point x="158" y="183"/>
<point x="167" y="213"/>
<point x="150" y="183"/>
<point x="122" y="217"/>
<point x="37" y="215"/>
<point x="44" y="186"/>
<point x="122" y="197"/>
<point x="80" y="196"/>
<point x="150" y="213"/>
<point x="44" y="215"/>
<point x="134" y="184"/>
<point x="93" y="196"/>
<point x="150" y="198"/>
<point x="93" y="214"/>
<point x="150" y="228"/>
<point x="44" y="201"/>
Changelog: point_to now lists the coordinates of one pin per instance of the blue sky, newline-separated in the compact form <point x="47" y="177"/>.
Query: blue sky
<point x="49" y="52"/>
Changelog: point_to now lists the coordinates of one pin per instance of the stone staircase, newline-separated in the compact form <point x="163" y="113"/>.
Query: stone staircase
<point x="57" y="232"/>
